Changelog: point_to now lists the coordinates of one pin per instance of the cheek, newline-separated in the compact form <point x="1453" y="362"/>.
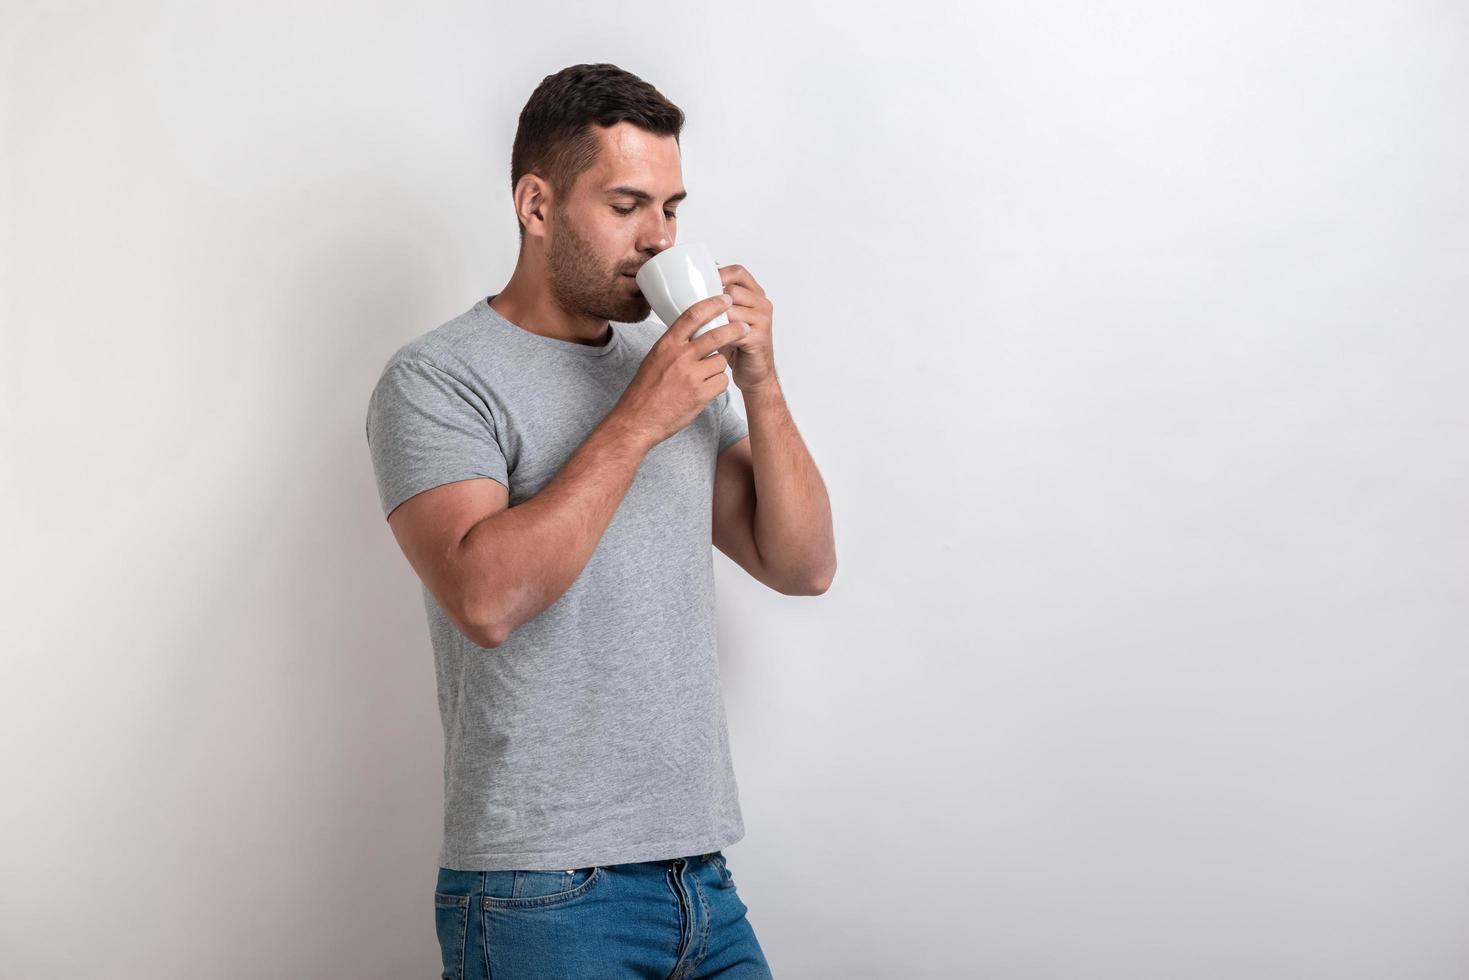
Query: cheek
<point x="611" y="242"/>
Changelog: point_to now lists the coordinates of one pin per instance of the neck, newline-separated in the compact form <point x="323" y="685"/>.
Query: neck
<point x="527" y="302"/>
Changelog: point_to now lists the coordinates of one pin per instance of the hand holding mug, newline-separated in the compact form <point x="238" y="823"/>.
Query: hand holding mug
<point x="751" y="356"/>
<point x="682" y="372"/>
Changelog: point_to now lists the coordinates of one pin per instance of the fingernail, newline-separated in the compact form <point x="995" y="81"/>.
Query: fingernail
<point x="728" y="299"/>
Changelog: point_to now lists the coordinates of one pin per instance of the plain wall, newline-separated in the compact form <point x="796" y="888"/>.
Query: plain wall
<point x="1128" y="338"/>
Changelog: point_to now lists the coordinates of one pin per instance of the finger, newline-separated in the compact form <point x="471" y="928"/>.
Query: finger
<point x="743" y="295"/>
<point x="728" y="350"/>
<point x="699" y="314"/>
<point x="718" y="337"/>
<point x="738" y="275"/>
<point x="712" y="365"/>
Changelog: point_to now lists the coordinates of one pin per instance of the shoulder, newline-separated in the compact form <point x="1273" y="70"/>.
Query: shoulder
<point x="460" y="347"/>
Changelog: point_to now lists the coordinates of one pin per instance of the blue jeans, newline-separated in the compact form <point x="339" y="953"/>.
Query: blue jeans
<point x="679" y="919"/>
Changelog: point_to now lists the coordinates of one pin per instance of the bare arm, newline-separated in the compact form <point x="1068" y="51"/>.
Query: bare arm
<point x="792" y="523"/>
<point x="518" y="561"/>
<point x="492" y="567"/>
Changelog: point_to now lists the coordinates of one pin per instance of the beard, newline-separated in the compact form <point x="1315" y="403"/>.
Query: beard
<point x="580" y="284"/>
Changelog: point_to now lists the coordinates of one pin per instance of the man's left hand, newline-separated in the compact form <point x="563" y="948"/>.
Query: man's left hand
<point x="751" y="358"/>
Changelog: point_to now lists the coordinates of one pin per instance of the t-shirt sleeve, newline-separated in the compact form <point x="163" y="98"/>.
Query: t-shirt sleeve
<point x="732" y="425"/>
<point x="426" y="428"/>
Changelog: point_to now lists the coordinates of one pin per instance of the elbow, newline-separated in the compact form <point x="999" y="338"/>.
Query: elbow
<point x="491" y="614"/>
<point x="482" y="633"/>
<point x="486" y="636"/>
<point x="480" y="626"/>
<point x="816" y="585"/>
<point x="489" y="632"/>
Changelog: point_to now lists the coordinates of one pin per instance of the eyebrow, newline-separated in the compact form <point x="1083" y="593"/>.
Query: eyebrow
<point x="642" y="195"/>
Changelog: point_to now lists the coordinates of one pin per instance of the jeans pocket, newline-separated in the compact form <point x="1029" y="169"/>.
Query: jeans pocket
<point x="726" y="880"/>
<point x="538" y="889"/>
<point x="451" y="920"/>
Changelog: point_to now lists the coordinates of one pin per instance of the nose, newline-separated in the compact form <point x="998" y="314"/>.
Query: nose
<point x="656" y="237"/>
<point x="663" y="243"/>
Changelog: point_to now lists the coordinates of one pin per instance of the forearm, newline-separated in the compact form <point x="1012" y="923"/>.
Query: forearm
<point x="792" y="523"/>
<point x="524" y="557"/>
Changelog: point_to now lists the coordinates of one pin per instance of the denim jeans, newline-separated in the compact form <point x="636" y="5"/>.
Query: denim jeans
<point x="678" y="919"/>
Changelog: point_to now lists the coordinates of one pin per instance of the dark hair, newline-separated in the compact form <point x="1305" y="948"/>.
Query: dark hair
<point x="555" y="139"/>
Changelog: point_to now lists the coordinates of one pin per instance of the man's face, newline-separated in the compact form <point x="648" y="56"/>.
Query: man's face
<point x="600" y="236"/>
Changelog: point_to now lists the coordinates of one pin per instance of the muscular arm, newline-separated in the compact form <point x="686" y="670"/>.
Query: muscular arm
<point x="771" y="511"/>
<point x="492" y="572"/>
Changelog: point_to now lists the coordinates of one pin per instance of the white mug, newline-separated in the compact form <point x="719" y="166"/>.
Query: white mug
<point x="677" y="278"/>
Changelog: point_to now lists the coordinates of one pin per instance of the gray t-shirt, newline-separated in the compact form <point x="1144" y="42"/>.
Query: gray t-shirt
<point x="595" y="734"/>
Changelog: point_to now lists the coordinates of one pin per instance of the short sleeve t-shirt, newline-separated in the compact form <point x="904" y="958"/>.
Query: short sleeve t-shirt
<point x="595" y="734"/>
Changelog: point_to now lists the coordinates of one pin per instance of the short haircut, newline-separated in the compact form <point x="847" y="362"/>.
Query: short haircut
<point x="555" y="139"/>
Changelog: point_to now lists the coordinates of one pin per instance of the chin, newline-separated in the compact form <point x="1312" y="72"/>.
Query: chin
<point x="631" y="311"/>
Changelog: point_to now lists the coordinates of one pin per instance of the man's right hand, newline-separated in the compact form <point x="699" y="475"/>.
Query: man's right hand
<point x="679" y="376"/>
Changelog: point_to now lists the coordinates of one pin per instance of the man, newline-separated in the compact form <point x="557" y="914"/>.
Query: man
<point x="555" y="470"/>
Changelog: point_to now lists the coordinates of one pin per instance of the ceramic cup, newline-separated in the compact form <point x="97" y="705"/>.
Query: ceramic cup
<point x="677" y="278"/>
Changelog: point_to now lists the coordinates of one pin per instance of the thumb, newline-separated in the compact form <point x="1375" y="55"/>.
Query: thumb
<point x="699" y="314"/>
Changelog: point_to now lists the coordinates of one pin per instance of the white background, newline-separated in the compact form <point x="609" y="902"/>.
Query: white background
<point x="1129" y="339"/>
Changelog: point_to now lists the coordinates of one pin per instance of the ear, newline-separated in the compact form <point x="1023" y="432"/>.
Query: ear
<point x="533" y="203"/>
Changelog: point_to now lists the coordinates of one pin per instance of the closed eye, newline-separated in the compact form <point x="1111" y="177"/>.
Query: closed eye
<point x="670" y="216"/>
